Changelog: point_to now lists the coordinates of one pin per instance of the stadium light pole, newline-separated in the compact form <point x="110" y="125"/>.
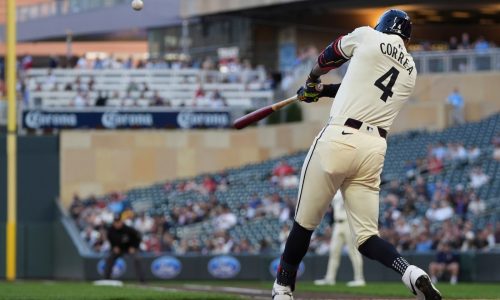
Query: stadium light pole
<point x="11" y="240"/>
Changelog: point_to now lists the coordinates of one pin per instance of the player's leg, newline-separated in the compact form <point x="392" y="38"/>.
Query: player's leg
<point x="356" y="259"/>
<point x="322" y="174"/>
<point x="110" y="262"/>
<point x="137" y="264"/>
<point x="362" y="207"/>
<point x="453" y="268"/>
<point x="336" y="243"/>
<point x="436" y="270"/>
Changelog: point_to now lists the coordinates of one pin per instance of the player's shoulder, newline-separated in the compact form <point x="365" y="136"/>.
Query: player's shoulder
<point x="363" y="30"/>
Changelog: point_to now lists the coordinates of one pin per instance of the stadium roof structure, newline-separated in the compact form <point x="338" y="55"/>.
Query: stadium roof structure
<point x="106" y="20"/>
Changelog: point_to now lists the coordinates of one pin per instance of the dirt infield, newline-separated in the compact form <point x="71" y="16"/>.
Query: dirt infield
<point x="254" y="293"/>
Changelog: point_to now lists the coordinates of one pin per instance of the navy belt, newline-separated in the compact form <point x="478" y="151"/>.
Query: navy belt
<point x="353" y="123"/>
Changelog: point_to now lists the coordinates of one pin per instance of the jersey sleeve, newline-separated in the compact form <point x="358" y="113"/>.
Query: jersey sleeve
<point x="341" y="50"/>
<point x="348" y="43"/>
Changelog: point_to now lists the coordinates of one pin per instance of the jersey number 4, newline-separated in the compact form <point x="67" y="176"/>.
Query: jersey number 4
<point x="393" y="73"/>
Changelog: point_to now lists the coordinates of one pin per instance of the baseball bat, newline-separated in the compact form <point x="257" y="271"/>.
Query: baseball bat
<point x="261" y="113"/>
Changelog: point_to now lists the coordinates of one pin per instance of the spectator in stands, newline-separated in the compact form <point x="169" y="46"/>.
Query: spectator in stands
<point x="209" y="185"/>
<point x="478" y="178"/>
<point x="465" y="42"/>
<point x="440" y="151"/>
<point x="128" y="100"/>
<point x="481" y="46"/>
<point x="217" y="101"/>
<point x="102" y="99"/>
<point x="456" y="101"/>
<point x="283" y="169"/>
<point x="496" y="147"/>
<point x="80" y="100"/>
<point x="133" y="87"/>
<point x="434" y="165"/>
<point x="285" y="231"/>
<point x="446" y="262"/>
<point x="158" y="100"/>
<point x="265" y="247"/>
<point x="440" y="212"/>
<point x="424" y="243"/>
<point x="81" y="63"/>
<point x="473" y="154"/>
<point x="453" y="44"/>
<point x="144" y="223"/>
<point x="485" y="240"/>
<point x="457" y="152"/>
<point x="225" y="220"/>
<point x="497" y="233"/>
<point x="476" y="205"/>
<point x="26" y="62"/>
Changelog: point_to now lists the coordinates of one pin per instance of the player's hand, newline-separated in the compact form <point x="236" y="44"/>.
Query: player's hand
<point x="311" y="92"/>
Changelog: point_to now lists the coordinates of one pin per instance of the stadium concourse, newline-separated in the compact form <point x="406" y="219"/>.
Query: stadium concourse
<point x="432" y="193"/>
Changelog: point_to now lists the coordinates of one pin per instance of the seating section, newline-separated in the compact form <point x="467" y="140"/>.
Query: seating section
<point x="59" y="87"/>
<point x="238" y="187"/>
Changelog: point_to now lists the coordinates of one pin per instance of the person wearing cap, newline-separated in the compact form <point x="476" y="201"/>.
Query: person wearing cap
<point x="123" y="239"/>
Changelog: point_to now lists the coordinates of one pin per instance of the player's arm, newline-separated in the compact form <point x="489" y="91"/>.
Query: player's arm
<point x="332" y="57"/>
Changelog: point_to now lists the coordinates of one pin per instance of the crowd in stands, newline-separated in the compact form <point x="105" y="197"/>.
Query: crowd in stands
<point x="464" y="42"/>
<point x="139" y="93"/>
<point x="417" y="214"/>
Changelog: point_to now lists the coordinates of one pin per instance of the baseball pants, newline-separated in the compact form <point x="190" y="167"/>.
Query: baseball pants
<point x="342" y="236"/>
<point x="350" y="160"/>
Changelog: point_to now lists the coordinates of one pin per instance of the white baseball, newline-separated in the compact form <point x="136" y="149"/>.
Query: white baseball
<point x="137" y="4"/>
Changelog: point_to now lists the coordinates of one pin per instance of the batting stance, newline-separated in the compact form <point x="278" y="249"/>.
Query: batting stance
<point x="348" y="154"/>
<point x="342" y="236"/>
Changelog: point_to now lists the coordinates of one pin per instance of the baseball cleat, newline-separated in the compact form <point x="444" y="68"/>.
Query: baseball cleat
<point x="356" y="283"/>
<point x="324" y="282"/>
<point x="419" y="283"/>
<point x="281" y="292"/>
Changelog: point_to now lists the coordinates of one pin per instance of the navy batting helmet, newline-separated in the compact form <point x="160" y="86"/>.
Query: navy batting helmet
<point x="395" y="21"/>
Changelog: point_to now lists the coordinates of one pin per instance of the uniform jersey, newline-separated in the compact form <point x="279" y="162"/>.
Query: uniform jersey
<point x="379" y="79"/>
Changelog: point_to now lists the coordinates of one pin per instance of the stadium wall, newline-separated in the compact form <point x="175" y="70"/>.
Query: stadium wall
<point x="38" y="188"/>
<point x="474" y="267"/>
<point x="97" y="162"/>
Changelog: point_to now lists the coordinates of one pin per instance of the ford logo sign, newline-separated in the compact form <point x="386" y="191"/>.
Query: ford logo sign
<point x="273" y="268"/>
<point x="224" y="267"/>
<point x="118" y="269"/>
<point x="166" y="267"/>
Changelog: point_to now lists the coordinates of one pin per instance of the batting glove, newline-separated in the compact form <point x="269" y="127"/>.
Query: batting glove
<point x="311" y="91"/>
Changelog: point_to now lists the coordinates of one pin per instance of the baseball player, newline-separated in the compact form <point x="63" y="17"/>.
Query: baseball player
<point x="342" y="236"/>
<point x="348" y="154"/>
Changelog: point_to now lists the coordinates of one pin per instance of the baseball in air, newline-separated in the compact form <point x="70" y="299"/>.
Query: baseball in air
<point x="137" y="4"/>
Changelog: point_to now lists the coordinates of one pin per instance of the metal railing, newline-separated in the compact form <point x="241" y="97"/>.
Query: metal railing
<point x="461" y="61"/>
<point x="53" y="8"/>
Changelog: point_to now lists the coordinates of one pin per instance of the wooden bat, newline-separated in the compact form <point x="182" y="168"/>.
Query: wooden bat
<point x="261" y="113"/>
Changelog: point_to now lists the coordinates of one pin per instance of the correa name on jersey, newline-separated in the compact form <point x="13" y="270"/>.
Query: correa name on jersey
<point x="392" y="51"/>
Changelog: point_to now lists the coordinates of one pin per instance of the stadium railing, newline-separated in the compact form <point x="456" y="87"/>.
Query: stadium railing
<point x="457" y="61"/>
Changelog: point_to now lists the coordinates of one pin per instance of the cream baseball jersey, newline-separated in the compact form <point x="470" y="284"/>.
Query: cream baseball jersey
<point x="380" y="78"/>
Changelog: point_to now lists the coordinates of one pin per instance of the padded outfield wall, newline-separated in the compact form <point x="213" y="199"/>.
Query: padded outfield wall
<point x="38" y="188"/>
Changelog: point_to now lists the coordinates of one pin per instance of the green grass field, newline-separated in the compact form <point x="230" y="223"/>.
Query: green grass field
<point x="86" y="291"/>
